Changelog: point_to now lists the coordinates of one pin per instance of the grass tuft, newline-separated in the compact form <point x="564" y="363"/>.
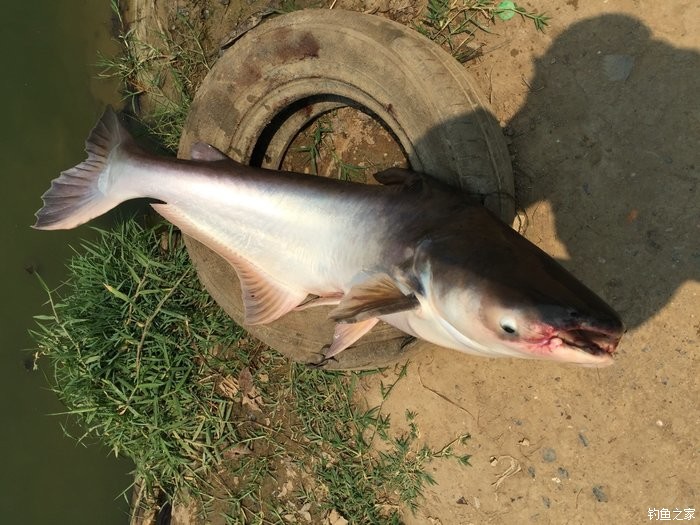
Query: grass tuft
<point x="132" y="337"/>
<point x="160" y="74"/>
<point x="321" y="150"/>
<point x="454" y="24"/>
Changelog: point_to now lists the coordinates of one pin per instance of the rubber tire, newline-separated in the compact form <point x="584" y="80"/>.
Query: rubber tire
<point x="290" y="69"/>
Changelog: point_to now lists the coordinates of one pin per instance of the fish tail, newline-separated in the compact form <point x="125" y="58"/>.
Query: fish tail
<point x="83" y="192"/>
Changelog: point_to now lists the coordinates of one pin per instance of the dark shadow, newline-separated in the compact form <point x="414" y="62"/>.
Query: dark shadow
<point x="609" y="136"/>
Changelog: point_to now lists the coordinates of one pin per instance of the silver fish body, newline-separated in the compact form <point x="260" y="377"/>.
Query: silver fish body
<point x="411" y="251"/>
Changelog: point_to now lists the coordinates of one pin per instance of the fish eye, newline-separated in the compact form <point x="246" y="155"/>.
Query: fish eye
<point x="509" y="326"/>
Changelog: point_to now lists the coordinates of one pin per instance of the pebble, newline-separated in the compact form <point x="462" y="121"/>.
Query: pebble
<point x="546" y="502"/>
<point x="600" y="494"/>
<point x="563" y="473"/>
<point x="549" y="455"/>
<point x="583" y="439"/>
<point x="617" y="67"/>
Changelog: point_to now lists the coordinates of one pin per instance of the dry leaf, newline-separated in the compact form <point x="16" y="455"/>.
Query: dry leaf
<point x="237" y="451"/>
<point x="227" y="386"/>
<point x="245" y="380"/>
<point x="334" y="518"/>
<point x="251" y="402"/>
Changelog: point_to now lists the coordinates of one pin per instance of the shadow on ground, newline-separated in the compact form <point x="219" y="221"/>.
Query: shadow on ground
<point x="613" y="119"/>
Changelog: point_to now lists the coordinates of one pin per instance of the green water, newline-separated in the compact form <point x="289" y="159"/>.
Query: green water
<point x="50" y="101"/>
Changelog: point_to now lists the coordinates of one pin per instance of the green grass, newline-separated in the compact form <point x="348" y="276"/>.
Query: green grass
<point x="148" y="364"/>
<point x="362" y="483"/>
<point x="454" y="24"/>
<point x="321" y="149"/>
<point x="164" y="69"/>
<point x="132" y="339"/>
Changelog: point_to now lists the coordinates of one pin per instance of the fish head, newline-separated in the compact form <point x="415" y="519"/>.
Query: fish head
<point x="495" y="293"/>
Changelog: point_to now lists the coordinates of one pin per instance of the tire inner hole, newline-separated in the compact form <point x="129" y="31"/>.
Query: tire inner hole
<point x="346" y="143"/>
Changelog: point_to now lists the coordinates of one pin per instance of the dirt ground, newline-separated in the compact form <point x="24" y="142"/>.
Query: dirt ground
<point x="602" y="117"/>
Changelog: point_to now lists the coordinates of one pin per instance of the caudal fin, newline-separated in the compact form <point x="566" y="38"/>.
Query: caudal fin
<point x="81" y="193"/>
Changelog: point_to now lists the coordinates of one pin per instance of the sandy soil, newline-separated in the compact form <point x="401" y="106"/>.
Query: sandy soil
<point x="602" y="117"/>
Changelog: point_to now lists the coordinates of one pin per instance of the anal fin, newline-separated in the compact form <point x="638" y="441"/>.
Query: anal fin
<point x="264" y="298"/>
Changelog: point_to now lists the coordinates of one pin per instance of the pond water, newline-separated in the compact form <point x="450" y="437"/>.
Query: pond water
<point x="51" y="98"/>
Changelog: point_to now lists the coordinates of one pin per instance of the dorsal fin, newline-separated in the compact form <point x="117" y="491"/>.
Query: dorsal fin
<point x="206" y="152"/>
<point x="398" y="176"/>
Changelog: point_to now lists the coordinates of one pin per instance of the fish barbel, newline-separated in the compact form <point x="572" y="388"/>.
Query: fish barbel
<point x="410" y="251"/>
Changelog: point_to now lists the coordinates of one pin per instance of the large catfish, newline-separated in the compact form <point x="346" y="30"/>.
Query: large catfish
<point x="411" y="251"/>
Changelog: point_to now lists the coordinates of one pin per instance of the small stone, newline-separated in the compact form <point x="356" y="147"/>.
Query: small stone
<point x="583" y="439"/>
<point x="617" y="67"/>
<point x="549" y="455"/>
<point x="335" y="518"/>
<point x="563" y="473"/>
<point x="600" y="494"/>
<point x="531" y="471"/>
<point x="546" y="502"/>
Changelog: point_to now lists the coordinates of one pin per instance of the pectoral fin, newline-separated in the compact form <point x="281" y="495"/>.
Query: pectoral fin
<point x="378" y="295"/>
<point x="264" y="298"/>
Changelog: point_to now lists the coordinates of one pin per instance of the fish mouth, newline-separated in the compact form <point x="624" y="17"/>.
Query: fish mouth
<point x="587" y="346"/>
<point x="591" y="341"/>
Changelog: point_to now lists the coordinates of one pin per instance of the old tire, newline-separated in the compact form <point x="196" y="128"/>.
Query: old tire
<point x="287" y="71"/>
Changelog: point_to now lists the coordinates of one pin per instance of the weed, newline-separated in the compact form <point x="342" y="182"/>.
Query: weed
<point x="159" y="79"/>
<point x="131" y="336"/>
<point x="321" y="150"/>
<point x="361" y="483"/>
<point x="455" y="23"/>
